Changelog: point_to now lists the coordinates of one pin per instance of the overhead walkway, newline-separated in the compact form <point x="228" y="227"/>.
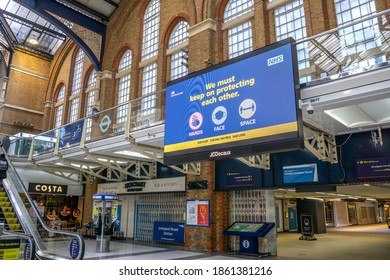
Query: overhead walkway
<point x="344" y="80"/>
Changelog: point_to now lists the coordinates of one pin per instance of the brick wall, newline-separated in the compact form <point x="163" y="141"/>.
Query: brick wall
<point x="32" y="76"/>
<point x="26" y="91"/>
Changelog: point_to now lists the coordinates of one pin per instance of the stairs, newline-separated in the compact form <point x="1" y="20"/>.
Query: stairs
<point x="7" y="213"/>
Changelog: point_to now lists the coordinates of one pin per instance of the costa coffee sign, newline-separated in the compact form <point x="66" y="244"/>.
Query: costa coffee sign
<point x="47" y="188"/>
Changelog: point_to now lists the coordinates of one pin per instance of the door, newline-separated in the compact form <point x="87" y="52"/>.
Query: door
<point x="292" y="219"/>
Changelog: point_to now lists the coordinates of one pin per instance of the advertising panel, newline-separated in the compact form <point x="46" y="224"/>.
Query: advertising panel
<point x="9" y="249"/>
<point x="198" y="213"/>
<point x="71" y="134"/>
<point x="244" y="106"/>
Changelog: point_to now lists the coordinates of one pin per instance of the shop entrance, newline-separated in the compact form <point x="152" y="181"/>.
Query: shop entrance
<point x="140" y="211"/>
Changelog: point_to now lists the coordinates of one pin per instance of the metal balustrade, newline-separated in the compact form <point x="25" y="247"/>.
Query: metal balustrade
<point x="335" y="54"/>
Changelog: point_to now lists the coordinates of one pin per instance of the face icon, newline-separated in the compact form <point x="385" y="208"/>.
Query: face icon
<point x="219" y="115"/>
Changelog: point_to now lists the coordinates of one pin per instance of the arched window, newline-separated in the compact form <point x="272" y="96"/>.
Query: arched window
<point x="59" y="107"/>
<point x="240" y="31"/>
<point x="76" y="86"/>
<point x="90" y="101"/>
<point x="290" y="22"/>
<point x="151" y="26"/>
<point x="151" y="30"/>
<point x="179" y="37"/>
<point x="124" y="77"/>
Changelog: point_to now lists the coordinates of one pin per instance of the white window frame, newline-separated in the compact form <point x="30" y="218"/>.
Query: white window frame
<point x="238" y="16"/>
<point x="178" y="41"/>
<point x="76" y="86"/>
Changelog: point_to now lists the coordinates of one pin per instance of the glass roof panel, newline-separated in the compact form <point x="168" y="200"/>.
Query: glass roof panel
<point x="31" y="30"/>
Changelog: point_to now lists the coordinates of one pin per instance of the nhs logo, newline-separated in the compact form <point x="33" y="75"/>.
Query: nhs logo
<point x="275" y="60"/>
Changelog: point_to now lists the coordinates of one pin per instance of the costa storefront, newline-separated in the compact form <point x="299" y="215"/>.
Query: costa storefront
<point x="58" y="200"/>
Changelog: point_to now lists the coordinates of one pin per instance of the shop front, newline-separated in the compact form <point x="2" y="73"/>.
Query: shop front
<point x="57" y="204"/>
<point x="146" y="203"/>
<point x="58" y="200"/>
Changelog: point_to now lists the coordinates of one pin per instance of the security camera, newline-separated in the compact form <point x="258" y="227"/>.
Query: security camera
<point x="308" y="105"/>
<point x="310" y="109"/>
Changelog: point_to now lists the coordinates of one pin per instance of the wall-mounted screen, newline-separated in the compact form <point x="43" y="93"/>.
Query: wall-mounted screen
<point x="244" y="106"/>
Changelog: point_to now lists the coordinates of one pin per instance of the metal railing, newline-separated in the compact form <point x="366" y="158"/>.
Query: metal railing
<point x="353" y="48"/>
<point x="50" y="243"/>
<point x="16" y="246"/>
<point x="357" y="47"/>
<point x="122" y="119"/>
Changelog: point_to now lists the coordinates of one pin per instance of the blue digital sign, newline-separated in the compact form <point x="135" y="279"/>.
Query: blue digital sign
<point x="304" y="173"/>
<point x="240" y="107"/>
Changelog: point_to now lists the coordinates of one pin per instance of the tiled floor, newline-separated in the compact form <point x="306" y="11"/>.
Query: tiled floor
<point x="371" y="242"/>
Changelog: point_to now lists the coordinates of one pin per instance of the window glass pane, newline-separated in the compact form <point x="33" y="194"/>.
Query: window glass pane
<point x="58" y="118"/>
<point x="124" y="88"/>
<point x="151" y="30"/>
<point x="237" y="8"/>
<point x="359" y="37"/>
<point x="179" y="34"/>
<point x="76" y="85"/>
<point x="61" y="94"/>
<point x="179" y="60"/>
<point x="290" y="22"/>
<point x="74" y="108"/>
<point x="149" y="83"/>
<point x="240" y="39"/>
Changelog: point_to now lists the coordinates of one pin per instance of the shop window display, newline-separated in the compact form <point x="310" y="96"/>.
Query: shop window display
<point x="59" y="212"/>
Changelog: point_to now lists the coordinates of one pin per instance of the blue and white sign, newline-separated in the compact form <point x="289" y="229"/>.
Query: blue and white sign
<point x="305" y="173"/>
<point x="249" y="245"/>
<point x="168" y="232"/>
<point x="71" y="134"/>
<point x="236" y="108"/>
<point x="74" y="248"/>
<point x="105" y="196"/>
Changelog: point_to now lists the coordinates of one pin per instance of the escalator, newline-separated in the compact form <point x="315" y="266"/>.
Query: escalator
<point x="49" y="244"/>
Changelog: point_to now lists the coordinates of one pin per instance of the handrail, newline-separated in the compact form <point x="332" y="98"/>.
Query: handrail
<point x="343" y="26"/>
<point x="58" y="244"/>
<point x="32" y="248"/>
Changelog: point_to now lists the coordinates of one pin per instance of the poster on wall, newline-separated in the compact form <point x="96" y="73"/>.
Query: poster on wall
<point x="198" y="213"/>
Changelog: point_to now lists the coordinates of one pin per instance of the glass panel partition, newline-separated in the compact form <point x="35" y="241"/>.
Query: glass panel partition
<point x="344" y="51"/>
<point x="16" y="246"/>
<point x="50" y="243"/>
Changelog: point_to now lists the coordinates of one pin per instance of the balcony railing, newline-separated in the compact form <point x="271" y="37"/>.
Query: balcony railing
<point x="122" y="119"/>
<point x="357" y="47"/>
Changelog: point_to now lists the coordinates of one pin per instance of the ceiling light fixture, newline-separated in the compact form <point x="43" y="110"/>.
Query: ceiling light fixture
<point x="33" y="41"/>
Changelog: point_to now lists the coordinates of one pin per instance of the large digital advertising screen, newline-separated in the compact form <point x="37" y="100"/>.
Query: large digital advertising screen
<point x="244" y="106"/>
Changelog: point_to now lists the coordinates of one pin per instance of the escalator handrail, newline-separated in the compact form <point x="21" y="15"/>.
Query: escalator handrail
<point x="37" y="214"/>
<point x="9" y="233"/>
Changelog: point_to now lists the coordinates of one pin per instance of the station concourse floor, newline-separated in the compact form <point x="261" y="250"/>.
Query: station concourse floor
<point x="368" y="242"/>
